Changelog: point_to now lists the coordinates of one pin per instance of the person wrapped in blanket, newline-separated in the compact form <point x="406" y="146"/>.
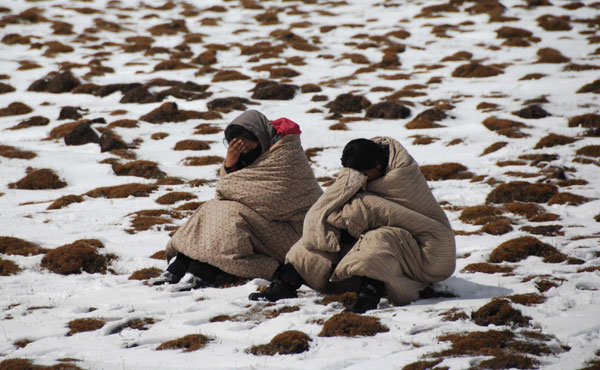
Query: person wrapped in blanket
<point x="265" y="188"/>
<point x="378" y="222"/>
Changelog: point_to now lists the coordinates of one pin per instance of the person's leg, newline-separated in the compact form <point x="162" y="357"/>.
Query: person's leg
<point x="284" y="284"/>
<point x="175" y="271"/>
<point x="369" y="294"/>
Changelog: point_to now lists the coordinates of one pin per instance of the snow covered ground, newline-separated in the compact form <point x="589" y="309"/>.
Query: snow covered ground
<point x="380" y="50"/>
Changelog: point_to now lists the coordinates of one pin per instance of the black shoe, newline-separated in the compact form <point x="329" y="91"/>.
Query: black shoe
<point x="369" y="294"/>
<point x="165" y="278"/>
<point x="277" y="290"/>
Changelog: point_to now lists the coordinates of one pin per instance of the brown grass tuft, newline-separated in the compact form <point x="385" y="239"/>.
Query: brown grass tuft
<point x="549" y="55"/>
<point x="552" y="23"/>
<point x="189" y="206"/>
<point x="145" y="169"/>
<point x="122" y="191"/>
<point x="476" y="70"/>
<point x="192" y="145"/>
<point x="476" y="343"/>
<point x="522" y="191"/>
<point x="272" y="90"/>
<point x="515" y="250"/>
<point x="422" y="365"/>
<point x="145" y="274"/>
<point x="174" y="197"/>
<point x="487" y="268"/>
<point x="160" y="255"/>
<point x="551" y="140"/>
<point x="445" y="171"/>
<point x="76" y="258"/>
<point x="479" y="215"/>
<point x="170" y="112"/>
<point x="528" y="299"/>
<point x="39" y="180"/>
<point x="345" y="299"/>
<point x="509" y="361"/>
<point x="505" y="127"/>
<point x="15" y="246"/>
<point x="135" y="324"/>
<point x="203" y="161"/>
<point x="286" y="309"/>
<point x="524" y="209"/>
<point x="288" y="342"/>
<point x="351" y="325"/>
<point x="590" y="151"/>
<point x="171" y="28"/>
<point x="388" y="110"/>
<point x="590" y="120"/>
<point x="348" y="103"/>
<point x="8" y="151"/>
<point x="64" y="201"/>
<point x="223" y="76"/>
<point x="567" y="198"/>
<point x="499" y="312"/>
<point x="15" y="109"/>
<point x="8" y="268"/>
<point x="189" y="343"/>
<point x="83" y="325"/>
<point x="55" y="82"/>
<point x="494" y="147"/>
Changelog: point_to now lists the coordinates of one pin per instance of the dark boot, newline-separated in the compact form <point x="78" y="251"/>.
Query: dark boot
<point x="369" y="294"/>
<point x="286" y="281"/>
<point x="175" y="271"/>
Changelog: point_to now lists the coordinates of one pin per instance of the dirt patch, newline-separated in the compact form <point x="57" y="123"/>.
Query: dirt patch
<point x="15" y="109"/>
<point x="191" y="144"/>
<point x="8" y="268"/>
<point x="522" y="191"/>
<point x="499" y="312"/>
<point x="348" y="103"/>
<point x="388" y="110"/>
<point x="145" y="274"/>
<point x="487" y="268"/>
<point x="122" y="191"/>
<point x="288" y="342"/>
<point x="476" y="70"/>
<point x="135" y="324"/>
<point x="8" y="151"/>
<point x="553" y="56"/>
<point x="272" y="90"/>
<point x="55" y="82"/>
<point x="174" y="197"/>
<point x="351" y="325"/>
<point x="83" y="325"/>
<point x="567" y="198"/>
<point x="169" y="112"/>
<point x="532" y="112"/>
<point x="16" y="246"/>
<point x="505" y="127"/>
<point x="65" y="201"/>
<point x="445" y="171"/>
<point x="528" y="299"/>
<point x="493" y="148"/>
<point x="77" y="257"/>
<point x="145" y="169"/>
<point x="518" y="249"/>
<point x="189" y="343"/>
<point x="41" y="179"/>
<point x="551" y="140"/>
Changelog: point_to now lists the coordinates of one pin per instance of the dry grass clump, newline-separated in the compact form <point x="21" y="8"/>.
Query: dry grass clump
<point x="546" y="230"/>
<point x="500" y="226"/>
<point x="286" y="309"/>
<point x="487" y="268"/>
<point x="286" y="343"/>
<point x="124" y="123"/>
<point x="527" y="210"/>
<point x="189" y="206"/>
<point x="64" y="201"/>
<point x="26" y="364"/>
<point x="145" y="274"/>
<point x="348" y="103"/>
<point x="528" y="299"/>
<point x="590" y="120"/>
<point x="454" y="314"/>
<point x="170" y="112"/>
<point x="272" y="90"/>
<point x="15" y="246"/>
<point x="348" y="324"/>
<point x="532" y="112"/>
<point x="135" y="324"/>
<point x="122" y="191"/>
<point x="41" y="179"/>
<point x="206" y="129"/>
<point x="515" y="250"/>
<point x="567" y="198"/>
<point x="505" y="127"/>
<point x="15" y="109"/>
<point x="160" y="255"/>
<point x="77" y="257"/>
<point x="423" y="365"/>
<point x="551" y="140"/>
<point x="192" y="145"/>
<point x="499" y="312"/>
<point x="388" y="110"/>
<point x="189" y="343"/>
<point x="8" y="151"/>
<point x="31" y="122"/>
<point x="493" y="148"/>
<point x="590" y="151"/>
<point x="479" y="215"/>
<point x="145" y="169"/>
<point x="229" y="75"/>
<point x="8" y="268"/>
<point x="174" y="197"/>
<point x="146" y="219"/>
<point x="203" y="161"/>
<point x="82" y="325"/>
<point x="549" y="55"/>
<point x="476" y="70"/>
<point x="345" y="299"/>
<point x="159" y="135"/>
<point x="445" y="171"/>
<point x="522" y="191"/>
<point x="55" y="82"/>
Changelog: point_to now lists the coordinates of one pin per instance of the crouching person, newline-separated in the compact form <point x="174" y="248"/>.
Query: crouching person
<point x="379" y="221"/>
<point x="266" y="186"/>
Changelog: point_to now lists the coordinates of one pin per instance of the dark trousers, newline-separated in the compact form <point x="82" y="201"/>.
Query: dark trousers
<point x="203" y="270"/>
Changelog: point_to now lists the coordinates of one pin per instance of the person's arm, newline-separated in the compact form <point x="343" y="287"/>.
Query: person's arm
<point x="234" y="150"/>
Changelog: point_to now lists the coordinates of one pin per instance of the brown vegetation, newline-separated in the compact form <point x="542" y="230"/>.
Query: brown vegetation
<point x="15" y="109"/>
<point x="505" y="127"/>
<point x="8" y="267"/>
<point x="288" y="342"/>
<point x="170" y="112"/>
<point x="31" y="122"/>
<point x="522" y="191"/>
<point x="145" y="274"/>
<point x="64" y="201"/>
<point x="83" y="325"/>
<point x="532" y="112"/>
<point x="191" y="144"/>
<point x="348" y="103"/>
<point x="203" y="161"/>
<point x="487" y="268"/>
<point x="122" y="191"/>
<point x="527" y="210"/>
<point x="528" y="299"/>
<point x="351" y="325"/>
<point x="16" y="246"/>
<point x="77" y="257"/>
<point x="346" y="299"/>
<point x="515" y="250"/>
<point x="549" y="55"/>
<point x="589" y="151"/>
<point x="551" y="140"/>
<point x="135" y="324"/>
<point x="567" y="198"/>
<point x="41" y="179"/>
<point x="272" y="90"/>
<point x="479" y="215"/>
<point x="552" y="23"/>
<point x="189" y="343"/>
<point x="145" y="169"/>
<point x="388" y="110"/>
<point x="476" y="70"/>
<point x="499" y="312"/>
<point x="174" y="197"/>
<point x="494" y="147"/>
<point x="55" y="82"/>
<point x="445" y="171"/>
<point x="8" y="151"/>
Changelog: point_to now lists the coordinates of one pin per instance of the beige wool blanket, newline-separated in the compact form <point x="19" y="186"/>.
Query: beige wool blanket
<point x="256" y="215"/>
<point x="404" y="236"/>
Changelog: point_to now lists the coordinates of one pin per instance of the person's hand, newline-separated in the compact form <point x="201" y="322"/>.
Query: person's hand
<point x="234" y="150"/>
<point x="364" y="185"/>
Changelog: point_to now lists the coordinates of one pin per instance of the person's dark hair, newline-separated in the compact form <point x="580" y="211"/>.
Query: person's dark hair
<point x="233" y="131"/>
<point x="363" y="154"/>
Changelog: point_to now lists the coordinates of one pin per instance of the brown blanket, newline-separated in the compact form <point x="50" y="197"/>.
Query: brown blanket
<point x="404" y="237"/>
<point x="256" y="215"/>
